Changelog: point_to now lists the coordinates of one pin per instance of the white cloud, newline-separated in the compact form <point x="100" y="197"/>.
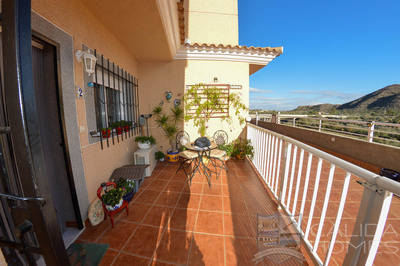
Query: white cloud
<point x="332" y="94"/>
<point x="254" y="90"/>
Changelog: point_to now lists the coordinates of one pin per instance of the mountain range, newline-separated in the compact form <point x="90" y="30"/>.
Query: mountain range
<point x="387" y="98"/>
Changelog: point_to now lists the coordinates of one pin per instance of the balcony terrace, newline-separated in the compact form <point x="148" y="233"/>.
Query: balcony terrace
<point x="172" y="222"/>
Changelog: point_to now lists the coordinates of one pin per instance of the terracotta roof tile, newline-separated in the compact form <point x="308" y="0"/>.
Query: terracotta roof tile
<point x="278" y="50"/>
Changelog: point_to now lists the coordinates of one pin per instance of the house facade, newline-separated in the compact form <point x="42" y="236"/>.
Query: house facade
<point x="143" y="50"/>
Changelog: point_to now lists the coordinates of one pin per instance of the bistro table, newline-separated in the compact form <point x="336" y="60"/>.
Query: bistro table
<point x="203" y="160"/>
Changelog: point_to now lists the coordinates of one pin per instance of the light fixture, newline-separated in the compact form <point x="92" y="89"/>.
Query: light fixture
<point x="89" y="60"/>
<point x="215" y="79"/>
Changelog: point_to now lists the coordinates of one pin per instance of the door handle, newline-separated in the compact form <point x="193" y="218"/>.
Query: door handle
<point x="13" y="197"/>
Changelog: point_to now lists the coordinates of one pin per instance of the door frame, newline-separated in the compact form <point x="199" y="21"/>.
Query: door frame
<point x="19" y="95"/>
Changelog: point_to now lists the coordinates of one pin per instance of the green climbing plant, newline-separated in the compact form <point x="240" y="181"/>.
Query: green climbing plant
<point x="203" y="103"/>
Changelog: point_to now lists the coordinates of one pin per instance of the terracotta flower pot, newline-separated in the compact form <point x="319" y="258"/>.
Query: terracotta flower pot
<point x="241" y="156"/>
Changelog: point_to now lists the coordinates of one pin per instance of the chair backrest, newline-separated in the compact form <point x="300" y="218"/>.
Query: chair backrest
<point x="100" y="189"/>
<point x="220" y="137"/>
<point x="182" y="138"/>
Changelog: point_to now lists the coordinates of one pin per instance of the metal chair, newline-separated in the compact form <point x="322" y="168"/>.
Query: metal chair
<point x="186" y="157"/>
<point x="220" y="138"/>
<point x="181" y="139"/>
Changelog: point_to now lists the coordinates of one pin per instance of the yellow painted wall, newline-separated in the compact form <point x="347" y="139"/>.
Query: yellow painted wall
<point x="233" y="73"/>
<point x="155" y="79"/>
<point x="74" y="18"/>
<point x="212" y="21"/>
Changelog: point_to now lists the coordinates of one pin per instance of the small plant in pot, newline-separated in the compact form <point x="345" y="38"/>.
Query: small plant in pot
<point x="169" y="125"/>
<point x="112" y="198"/>
<point x="242" y="148"/>
<point x="105" y="132"/>
<point x="128" y="125"/>
<point x="145" y="142"/>
<point x="159" y="155"/>
<point x="118" y="127"/>
<point x="128" y="188"/>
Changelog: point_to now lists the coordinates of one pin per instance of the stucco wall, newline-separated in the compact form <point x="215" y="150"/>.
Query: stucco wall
<point x="233" y="73"/>
<point x="71" y="16"/>
<point x="212" y="21"/>
<point x="155" y="79"/>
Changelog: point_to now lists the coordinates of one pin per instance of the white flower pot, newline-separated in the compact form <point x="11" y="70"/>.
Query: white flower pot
<point x="111" y="208"/>
<point x="145" y="145"/>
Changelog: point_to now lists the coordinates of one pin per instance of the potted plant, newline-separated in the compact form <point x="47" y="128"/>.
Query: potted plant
<point x="203" y="102"/>
<point x="112" y="199"/>
<point x="228" y="148"/>
<point x="242" y="148"/>
<point x="160" y="156"/>
<point x="105" y="132"/>
<point x="128" y="125"/>
<point x="118" y="127"/>
<point x="145" y="142"/>
<point x="169" y="125"/>
<point x="128" y="188"/>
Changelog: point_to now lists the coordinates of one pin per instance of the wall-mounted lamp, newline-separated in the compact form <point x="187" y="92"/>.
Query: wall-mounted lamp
<point x="215" y="79"/>
<point x="89" y="60"/>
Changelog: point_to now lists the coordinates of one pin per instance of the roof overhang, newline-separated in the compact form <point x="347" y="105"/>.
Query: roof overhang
<point x="149" y="29"/>
<point x="257" y="57"/>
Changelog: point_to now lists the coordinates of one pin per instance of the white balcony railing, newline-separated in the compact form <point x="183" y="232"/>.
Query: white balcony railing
<point x="298" y="174"/>
<point x="371" y="131"/>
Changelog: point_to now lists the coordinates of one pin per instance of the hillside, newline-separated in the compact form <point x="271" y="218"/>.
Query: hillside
<point x="388" y="97"/>
<point x="326" y="107"/>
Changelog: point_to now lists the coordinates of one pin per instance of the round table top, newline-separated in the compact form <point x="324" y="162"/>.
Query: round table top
<point x="192" y="147"/>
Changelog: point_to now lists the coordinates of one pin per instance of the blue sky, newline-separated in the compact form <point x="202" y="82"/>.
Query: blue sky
<point x="333" y="51"/>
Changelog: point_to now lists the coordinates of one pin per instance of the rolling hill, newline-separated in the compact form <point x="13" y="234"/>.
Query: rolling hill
<point x="386" y="98"/>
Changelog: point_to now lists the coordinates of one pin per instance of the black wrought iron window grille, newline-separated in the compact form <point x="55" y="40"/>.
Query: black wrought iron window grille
<point x="116" y="99"/>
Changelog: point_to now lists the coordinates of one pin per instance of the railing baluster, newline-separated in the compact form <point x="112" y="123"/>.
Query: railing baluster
<point x="288" y="152"/>
<point x="278" y="167"/>
<point x="258" y="148"/>
<point x="338" y="217"/>
<point x="267" y="158"/>
<point x="314" y="198"/>
<point x="305" y="189"/>
<point x="263" y="151"/>
<point x="292" y="177"/>
<point x="298" y="182"/>
<point x="274" y="165"/>
<point x="272" y="148"/>
<point x="325" y="207"/>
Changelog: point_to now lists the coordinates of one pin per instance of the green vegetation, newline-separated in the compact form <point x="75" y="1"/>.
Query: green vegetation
<point x="203" y="103"/>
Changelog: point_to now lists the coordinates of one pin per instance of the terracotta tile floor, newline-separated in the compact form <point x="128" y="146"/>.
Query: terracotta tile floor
<point x="171" y="222"/>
